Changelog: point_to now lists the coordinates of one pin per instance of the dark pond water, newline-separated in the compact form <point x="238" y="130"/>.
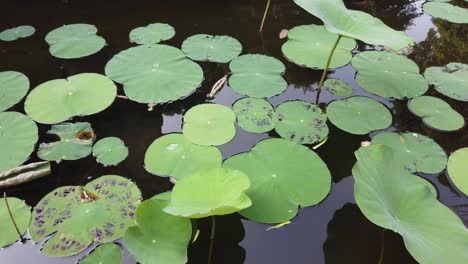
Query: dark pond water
<point x="335" y="231"/>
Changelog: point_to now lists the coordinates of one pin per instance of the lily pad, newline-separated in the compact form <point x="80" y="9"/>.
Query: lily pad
<point x="100" y="212"/>
<point x="450" y="80"/>
<point x="110" y="151"/>
<point x="18" y="137"/>
<point x="210" y="192"/>
<point x="79" y="95"/>
<point x="75" y="142"/>
<point x="389" y="75"/>
<point x="104" y="254"/>
<point x="204" y="47"/>
<point x="13" y="87"/>
<point x="301" y="122"/>
<point x="447" y="11"/>
<point x="155" y="73"/>
<point x="163" y="242"/>
<point x="283" y="176"/>
<point x="17" y="33"/>
<point x="436" y="113"/>
<point x="152" y="33"/>
<point x="74" y="41"/>
<point x="257" y="76"/>
<point x="337" y="87"/>
<point x="22" y="215"/>
<point x="255" y="115"/>
<point x="458" y="169"/>
<point x="209" y="124"/>
<point x="310" y="45"/>
<point x="359" y="115"/>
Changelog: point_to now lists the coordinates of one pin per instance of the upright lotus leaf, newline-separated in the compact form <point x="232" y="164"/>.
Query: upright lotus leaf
<point x="158" y="236"/>
<point x="436" y="113"/>
<point x="18" y="137"/>
<point x="58" y="100"/>
<point x="210" y="192"/>
<point x="310" y="45"/>
<point x="22" y="215"/>
<point x="13" y="87"/>
<point x="354" y="24"/>
<point x="209" y="124"/>
<point x="155" y="73"/>
<point x="75" y="142"/>
<point x="387" y="74"/>
<point x="447" y="11"/>
<point x="337" y="87"/>
<point x="104" y="254"/>
<point x="110" y="151"/>
<point x="458" y="169"/>
<point x="204" y="47"/>
<point x="100" y="212"/>
<point x="415" y="152"/>
<point x="257" y="76"/>
<point x="175" y="156"/>
<point x="359" y="115"/>
<point x="283" y="176"/>
<point x="450" y="80"/>
<point x="152" y="34"/>
<point x="25" y="173"/>
<point x="407" y="204"/>
<point x="17" y="33"/>
<point x="255" y="115"/>
<point x="74" y="41"/>
<point x="301" y="122"/>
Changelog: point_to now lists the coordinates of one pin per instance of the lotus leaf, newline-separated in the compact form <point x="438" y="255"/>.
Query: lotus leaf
<point x="110" y="151"/>
<point x="447" y="11"/>
<point x="104" y="254"/>
<point x="25" y="173"/>
<point x="450" y="80"/>
<point x="458" y="169"/>
<point x="204" y="47"/>
<point x="22" y="215"/>
<point x="13" y="87"/>
<point x="337" y="87"/>
<point x="436" y="113"/>
<point x="255" y="115"/>
<point x="16" y="33"/>
<point x="152" y="33"/>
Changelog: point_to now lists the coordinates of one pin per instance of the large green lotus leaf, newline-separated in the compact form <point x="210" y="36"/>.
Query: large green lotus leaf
<point x="450" y="80"/>
<point x="310" y="45"/>
<point x="79" y="95"/>
<point x="110" y="151"/>
<point x="13" y="87"/>
<point x="407" y="204"/>
<point x="283" y="176"/>
<point x="447" y="11"/>
<point x="18" y="137"/>
<point x="458" y="169"/>
<point x="389" y="75"/>
<point x="436" y="113"/>
<point x="359" y="115"/>
<point x="74" y="41"/>
<point x="218" y="191"/>
<point x="104" y="254"/>
<point x="301" y="122"/>
<point x="175" y="156"/>
<point x="255" y="115"/>
<point x="16" y="33"/>
<point x="155" y="73"/>
<point x="100" y="212"/>
<point x="204" y="47"/>
<point x="257" y="75"/>
<point x="209" y="124"/>
<point x="415" y="152"/>
<point x="354" y="24"/>
<point x="75" y="142"/>
<point x="152" y="33"/>
<point x="337" y="87"/>
<point x="158" y="236"/>
<point x="22" y="215"/>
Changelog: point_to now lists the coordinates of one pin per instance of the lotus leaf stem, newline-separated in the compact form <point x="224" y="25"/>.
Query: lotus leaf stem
<point x="212" y="237"/>
<point x="382" y="248"/>
<point x="330" y="56"/>
<point x="264" y="16"/>
<point x="122" y="97"/>
<point x="11" y="216"/>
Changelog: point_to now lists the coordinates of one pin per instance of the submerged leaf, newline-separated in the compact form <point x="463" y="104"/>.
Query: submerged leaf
<point x="13" y="87"/>
<point x="152" y="33"/>
<point x="337" y="87"/>
<point x="104" y="254"/>
<point x="110" y="151"/>
<point x="204" y="47"/>
<point x="24" y="173"/>
<point x="450" y="80"/>
<point x="436" y="113"/>
<point x="458" y="169"/>
<point x="22" y="215"/>
<point x="255" y="115"/>
<point x="17" y="33"/>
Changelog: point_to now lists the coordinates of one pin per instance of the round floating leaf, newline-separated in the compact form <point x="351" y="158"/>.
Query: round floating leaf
<point x="74" y="41"/>
<point x="100" y="212"/>
<point x="436" y="113"/>
<point x="155" y="73"/>
<point x="110" y="151"/>
<point x="450" y="80"/>
<point x="13" y="87"/>
<point x="359" y="115"/>
<point x="415" y="152"/>
<point x="310" y="45"/>
<point x="447" y="11"/>
<point x="458" y="169"/>
<point x="388" y="75"/>
<point x="257" y="75"/>
<point x="58" y="100"/>
<point x="209" y="124"/>
<point x="75" y="142"/>
<point x="175" y="156"/>
<point x="210" y="192"/>
<point x="18" y="137"/>
<point x="301" y="122"/>
<point x="152" y="33"/>
<point x="255" y="115"/>
<point x="104" y="254"/>
<point x="204" y="47"/>
<point x="16" y="33"/>
<point x="158" y="236"/>
<point x="407" y="204"/>
<point x="22" y="215"/>
<point x="283" y="175"/>
<point x="337" y="87"/>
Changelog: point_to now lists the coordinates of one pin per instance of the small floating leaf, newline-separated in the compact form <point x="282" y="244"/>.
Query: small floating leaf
<point x="337" y="87"/>
<point x="204" y="47"/>
<point x="255" y="115"/>
<point x="450" y="80"/>
<point x="104" y="254"/>
<point x="436" y="113"/>
<point x="16" y="33"/>
<point x="458" y="169"/>
<point x="22" y="215"/>
<point x="24" y="173"/>
<point x="447" y="11"/>
<point x="110" y="151"/>
<point x="13" y="87"/>
<point x="152" y="33"/>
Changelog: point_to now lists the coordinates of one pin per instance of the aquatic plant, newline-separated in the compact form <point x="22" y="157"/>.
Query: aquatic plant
<point x="255" y="115"/>
<point x="436" y="113"/>
<point x="110" y="151"/>
<point x="337" y="87"/>
<point x="13" y="87"/>
<point x="204" y="47"/>
<point x="14" y="216"/>
<point x="151" y="34"/>
<point x="24" y="173"/>
<point x="457" y="168"/>
<point x="104" y="254"/>
<point x="15" y="33"/>
<point x="446" y="11"/>
<point x="450" y="80"/>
